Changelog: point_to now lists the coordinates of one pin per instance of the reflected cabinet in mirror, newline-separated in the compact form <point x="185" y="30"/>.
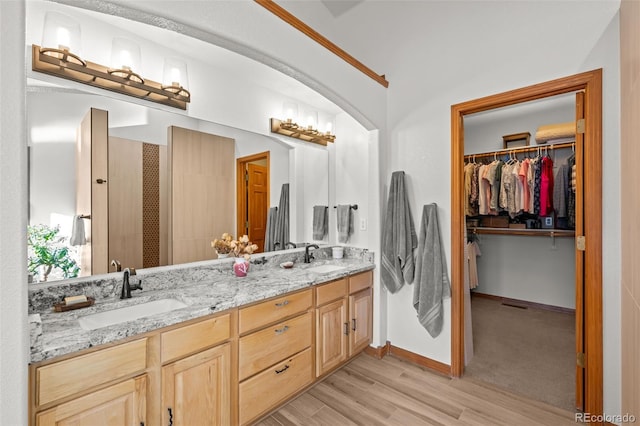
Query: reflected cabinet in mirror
<point x="120" y="185"/>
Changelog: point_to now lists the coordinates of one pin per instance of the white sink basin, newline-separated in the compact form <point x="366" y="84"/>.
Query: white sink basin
<point x="130" y="313"/>
<point x="323" y="269"/>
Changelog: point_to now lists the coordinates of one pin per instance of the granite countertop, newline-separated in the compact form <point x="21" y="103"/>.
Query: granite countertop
<point x="214" y="290"/>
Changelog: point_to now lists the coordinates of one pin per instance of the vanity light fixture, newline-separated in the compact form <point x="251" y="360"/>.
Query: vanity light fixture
<point x="64" y="61"/>
<point x="306" y="131"/>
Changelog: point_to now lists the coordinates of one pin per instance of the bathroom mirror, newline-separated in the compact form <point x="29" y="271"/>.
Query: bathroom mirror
<point x="232" y="97"/>
<point x="54" y="114"/>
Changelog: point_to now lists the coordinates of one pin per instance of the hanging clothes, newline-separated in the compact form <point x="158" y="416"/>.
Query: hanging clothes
<point x="472" y="253"/>
<point x="571" y="194"/>
<point x="470" y="208"/>
<point x="546" y="187"/>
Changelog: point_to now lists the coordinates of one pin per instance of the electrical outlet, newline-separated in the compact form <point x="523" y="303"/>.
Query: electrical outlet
<point x="363" y="224"/>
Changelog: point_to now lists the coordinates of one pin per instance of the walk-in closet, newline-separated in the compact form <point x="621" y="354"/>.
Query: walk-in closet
<point x="519" y="203"/>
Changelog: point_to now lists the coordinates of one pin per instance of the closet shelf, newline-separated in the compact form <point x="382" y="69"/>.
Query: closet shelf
<point x="527" y="232"/>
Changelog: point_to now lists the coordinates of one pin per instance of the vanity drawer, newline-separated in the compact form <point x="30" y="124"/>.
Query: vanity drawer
<point x="263" y="392"/>
<point x="329" y="292"/>
<point x="263" y="348"/>
<point x="195" y="337"/>
<point x="360" y="281"/>
<point x="273" y="310"/>
<point x="65" y="378"/>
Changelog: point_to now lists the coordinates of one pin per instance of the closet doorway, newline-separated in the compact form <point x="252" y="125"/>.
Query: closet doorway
<point x="588" y="227"/>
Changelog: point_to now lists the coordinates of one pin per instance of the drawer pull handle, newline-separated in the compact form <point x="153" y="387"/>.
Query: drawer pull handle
<point x="282" y="370"/>
<point x="353" y="327"/>
<point x="170" y="417"/>
<point x="283" y="303"/>
<point x="346" y="328"/>
<point x="281" y="330"/>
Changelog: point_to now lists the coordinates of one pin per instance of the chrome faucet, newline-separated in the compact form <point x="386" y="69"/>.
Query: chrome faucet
<point x="126" y="286"/>
<point x="308" y="256"/>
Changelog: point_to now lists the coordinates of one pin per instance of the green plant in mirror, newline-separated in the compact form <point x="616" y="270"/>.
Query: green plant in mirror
<point x="47" y="251"/>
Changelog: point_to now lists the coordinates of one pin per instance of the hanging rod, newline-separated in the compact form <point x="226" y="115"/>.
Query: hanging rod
<point x="520" y="150"/>
<point x="352" y="206"/>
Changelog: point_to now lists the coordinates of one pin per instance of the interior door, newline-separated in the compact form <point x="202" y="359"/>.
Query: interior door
<point x="257" y="203"/>
<point x="92" y="198"/>
<point x="579" y="228"/>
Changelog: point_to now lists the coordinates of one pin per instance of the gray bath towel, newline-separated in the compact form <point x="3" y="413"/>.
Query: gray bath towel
<point x="320" y="222"/>
<point x="270" y="231"/>
<point x="345" y="222"/>
<point x="282" y="221"/>
<point x="398" y="237"/>
<point x="431" y="283"/>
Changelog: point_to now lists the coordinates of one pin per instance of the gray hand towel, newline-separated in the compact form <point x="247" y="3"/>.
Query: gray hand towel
<point x="431" y="283"/>
<point x="320" y="221"/>
<point x="398" y="237"/>
<point x="77" y="232"/>
<point x="345" y="223"/>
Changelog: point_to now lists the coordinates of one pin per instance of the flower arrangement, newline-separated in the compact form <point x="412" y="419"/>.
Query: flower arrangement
<point x="236" y="248"/>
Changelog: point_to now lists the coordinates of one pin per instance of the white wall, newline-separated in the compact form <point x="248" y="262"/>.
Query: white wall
<point x="14" y="329"/>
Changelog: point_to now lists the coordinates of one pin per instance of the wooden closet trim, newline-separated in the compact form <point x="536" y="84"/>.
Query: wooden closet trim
<point x="591" y="83"/>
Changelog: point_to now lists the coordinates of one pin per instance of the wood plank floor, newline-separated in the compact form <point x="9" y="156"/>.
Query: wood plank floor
<point x="391" y="391"/>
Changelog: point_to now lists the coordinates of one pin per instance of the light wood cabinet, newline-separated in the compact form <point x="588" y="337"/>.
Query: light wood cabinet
<point x="344" y="323"/>
<point x="196" y="389"/>
<point x="263" y="392"/>
<point x="227" y="368"/>
<point x="75" y="375"/>
<point x="361" y="313"/>
<point x="122" y="404"/>
<point x="275" y="359"/>
<point x="332" y="331"/>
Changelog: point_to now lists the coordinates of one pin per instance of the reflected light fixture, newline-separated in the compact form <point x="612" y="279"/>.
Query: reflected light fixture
<point x="59" y="56"/>
<point x="306" y="130"/>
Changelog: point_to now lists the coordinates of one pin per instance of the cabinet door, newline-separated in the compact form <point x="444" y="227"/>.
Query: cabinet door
<point x="117" y="405"/>
<point x="332" y="328"/>
<point x="361" y="313"/>
<point x="196" y="390"/>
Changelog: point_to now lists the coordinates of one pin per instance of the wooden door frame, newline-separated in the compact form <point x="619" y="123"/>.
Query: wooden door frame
<point x="591" y="83"/>
<point x="241" y="185"/>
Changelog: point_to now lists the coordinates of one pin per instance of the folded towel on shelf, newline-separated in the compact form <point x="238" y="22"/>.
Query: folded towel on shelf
<point x="398" y="237"/>
<point x="559" y="131"/>
<point x="78" y="237"/>
<point x="345" y="223"/>
<point x="431" y="284"/>
<point x="270" y="231"/>
<point x="320" y="222"/>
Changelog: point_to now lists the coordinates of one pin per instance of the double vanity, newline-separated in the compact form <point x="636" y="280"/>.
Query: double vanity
<point x="197" y="345"/>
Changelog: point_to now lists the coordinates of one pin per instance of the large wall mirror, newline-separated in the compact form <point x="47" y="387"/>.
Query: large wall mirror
<point x="56" y="109"/>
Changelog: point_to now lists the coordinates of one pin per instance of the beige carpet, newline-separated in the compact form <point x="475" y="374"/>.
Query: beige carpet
<point x="527" y="351"/>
